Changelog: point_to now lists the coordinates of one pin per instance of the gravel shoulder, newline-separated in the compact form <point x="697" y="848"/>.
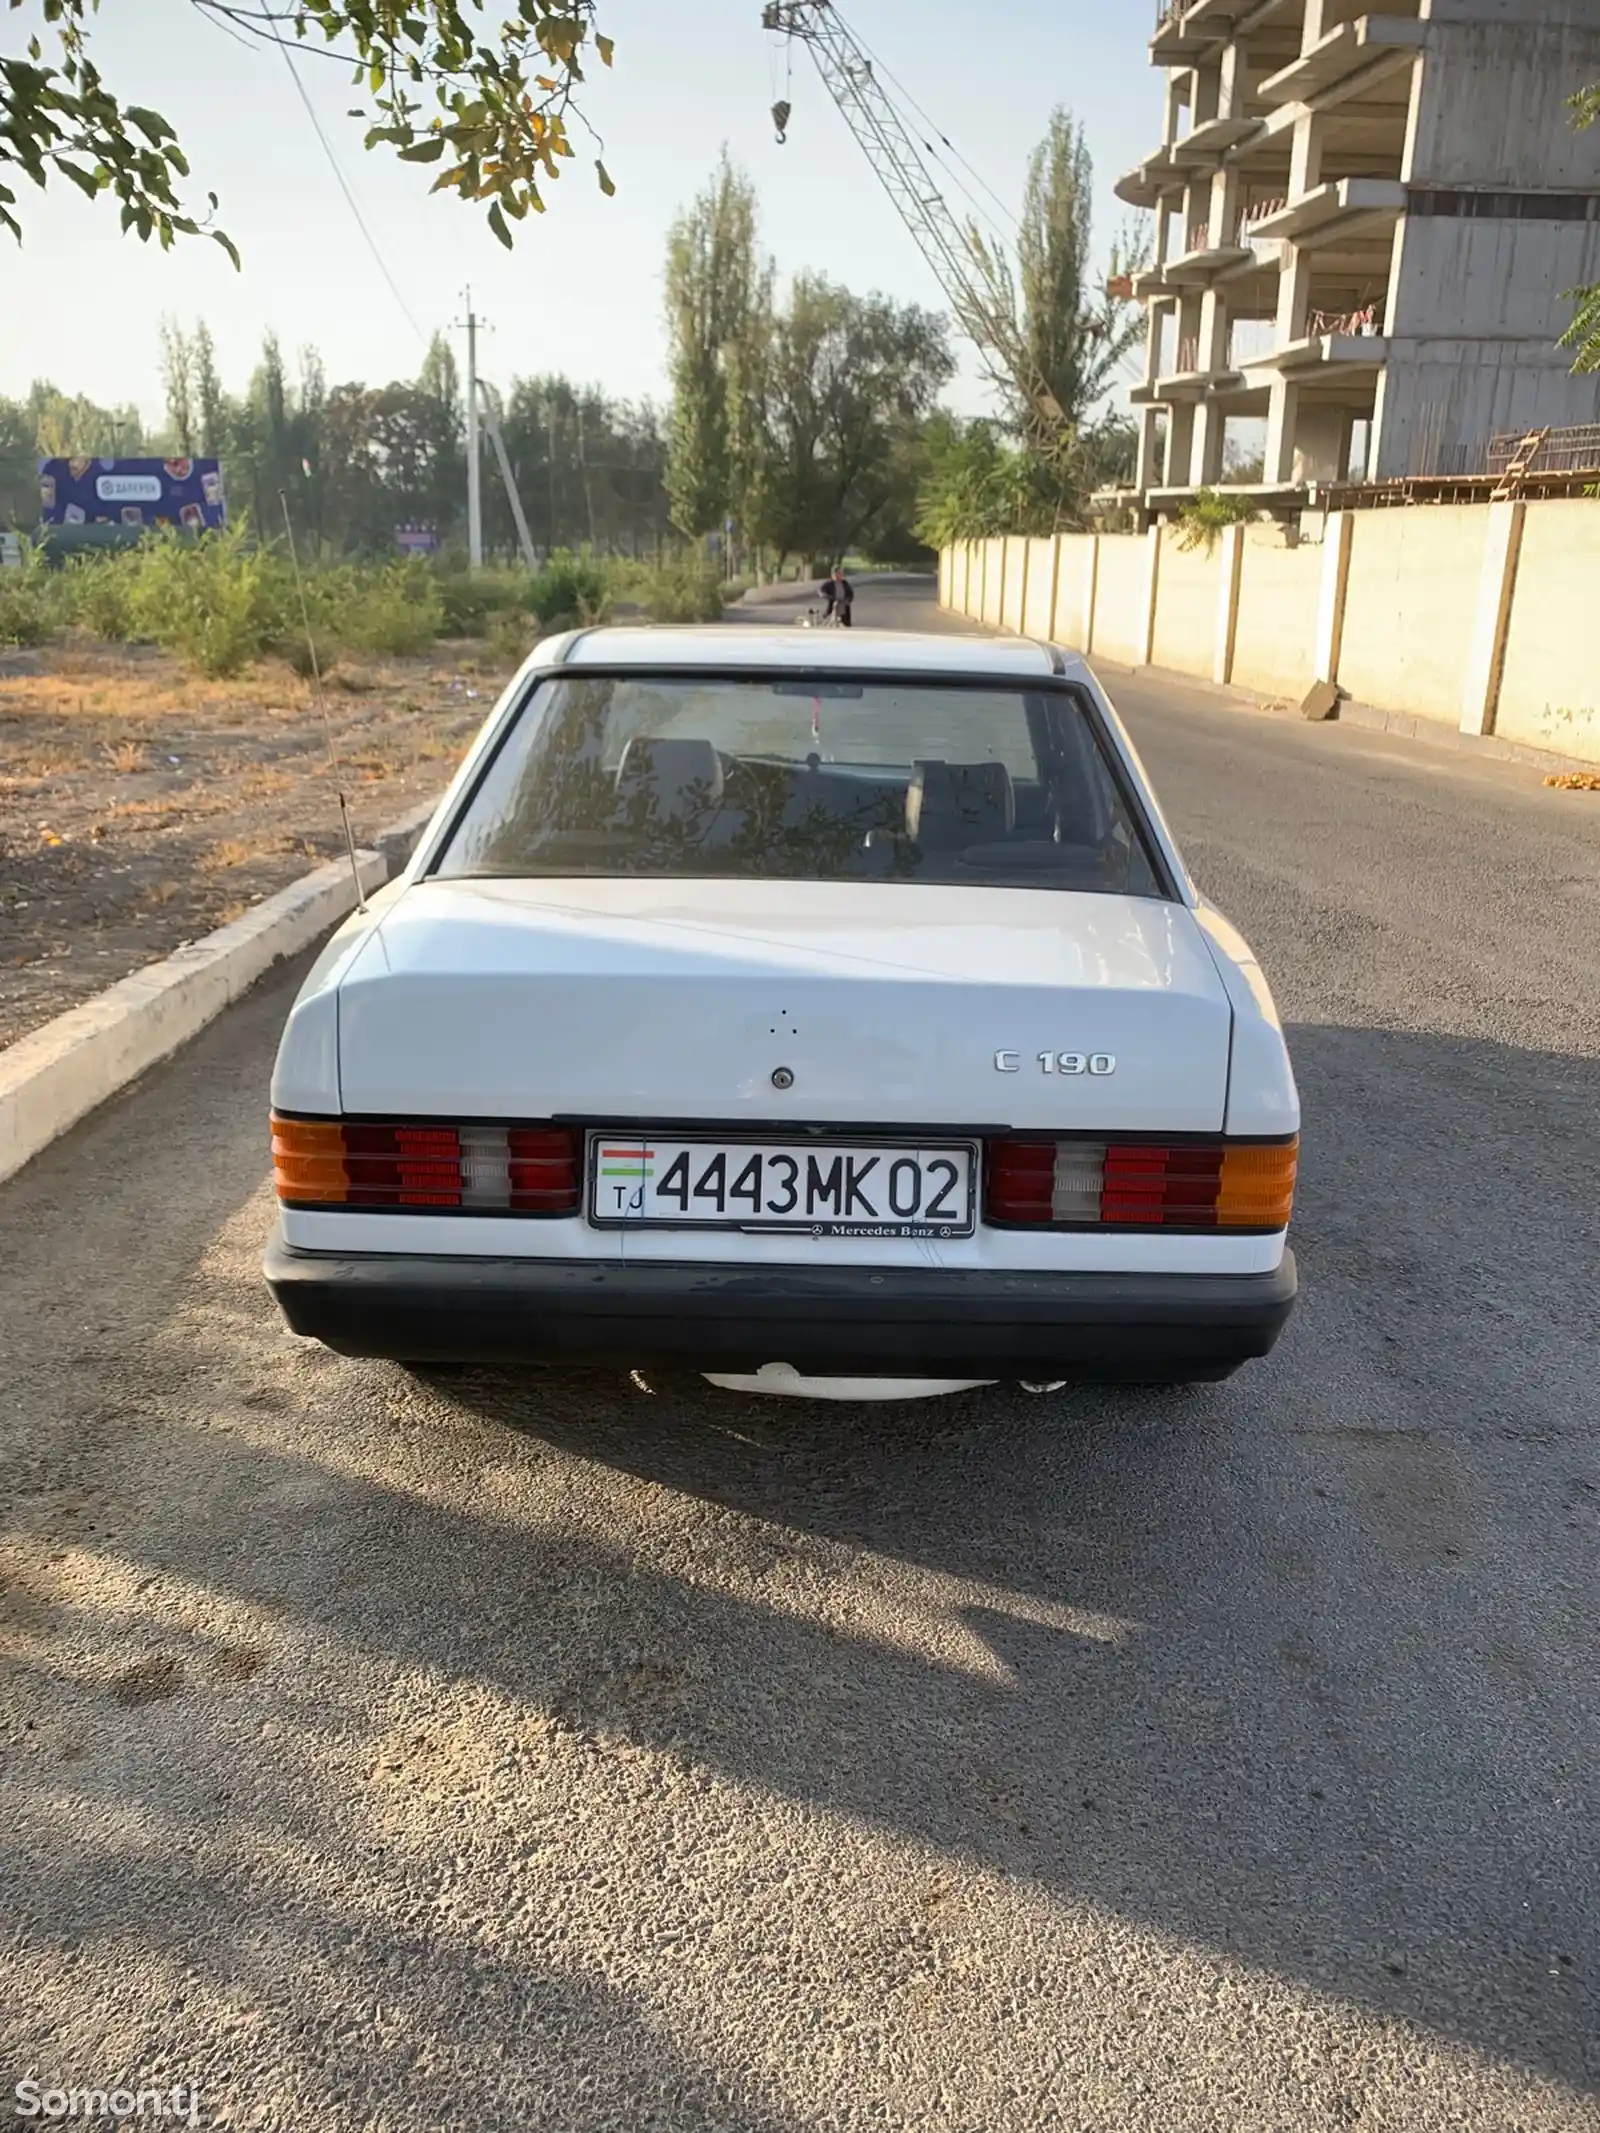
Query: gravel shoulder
<point x="574" y="1752"/>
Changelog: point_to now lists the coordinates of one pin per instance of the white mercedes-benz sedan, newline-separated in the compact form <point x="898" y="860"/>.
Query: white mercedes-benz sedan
<point x="816" y="1011"/>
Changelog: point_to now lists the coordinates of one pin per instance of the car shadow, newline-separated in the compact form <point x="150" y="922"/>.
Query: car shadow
<point x="1297" y="1669"/>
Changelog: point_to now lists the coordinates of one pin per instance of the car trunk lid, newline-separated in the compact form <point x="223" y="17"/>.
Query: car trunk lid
<point x="671" y="1000"/>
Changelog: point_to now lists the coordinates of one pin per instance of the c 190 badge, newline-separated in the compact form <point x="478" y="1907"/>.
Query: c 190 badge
<point x="1097" y="1063"/>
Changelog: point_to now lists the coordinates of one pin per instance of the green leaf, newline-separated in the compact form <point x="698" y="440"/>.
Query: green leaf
<point x="229" y="247"/>
<point x="150" y="123"/>
<point x="605" y="47"/>
<point x="428" y="151"/>
<point x="497" y="222"/>
<point x="80" y="178"/>
<point x="607" y="186"/>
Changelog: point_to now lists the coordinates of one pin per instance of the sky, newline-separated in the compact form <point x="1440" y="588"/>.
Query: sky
<point x="82" y="304"/>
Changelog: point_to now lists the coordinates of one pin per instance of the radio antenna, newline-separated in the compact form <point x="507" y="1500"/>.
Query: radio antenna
<point x="322" y="703"/>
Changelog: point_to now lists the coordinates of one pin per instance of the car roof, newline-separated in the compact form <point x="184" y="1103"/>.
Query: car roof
<point x="736" y="645"/>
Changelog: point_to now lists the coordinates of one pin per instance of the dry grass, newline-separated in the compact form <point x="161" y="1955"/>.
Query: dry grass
<point x="231" y="852"/>
<point x="40" y="768"/>
<point x="240" y="851"/>
<point x="262" y="784"/>
<point x="149" y="811"/>
<point x="137" y="692"/>
<point x="440" y="746"/>
<point x="178" y="800"/>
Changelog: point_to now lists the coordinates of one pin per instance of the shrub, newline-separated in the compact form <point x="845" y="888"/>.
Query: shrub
<point x="570" y="592"/>
<point x="392" y="608"/>
<point x="97" y="595"/>
<point x="470" y="602"/>
<point x="31" y="606"/>
<point x="217" y="602"/>
<point x="686" y="588"/>
<point x="512" y="636"/>
<point x="1202" y="522"/>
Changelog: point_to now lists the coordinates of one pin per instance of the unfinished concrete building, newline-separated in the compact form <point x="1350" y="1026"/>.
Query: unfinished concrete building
<point x="1365" y="226"/>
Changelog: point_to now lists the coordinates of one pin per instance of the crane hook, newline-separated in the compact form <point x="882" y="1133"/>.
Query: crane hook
<point x="780" y="119"/>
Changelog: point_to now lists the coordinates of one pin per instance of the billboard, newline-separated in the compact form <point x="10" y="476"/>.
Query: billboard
<point x="131" y="492"/>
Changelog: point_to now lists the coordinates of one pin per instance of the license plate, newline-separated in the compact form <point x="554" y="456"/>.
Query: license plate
<point x="826" y="1188"/>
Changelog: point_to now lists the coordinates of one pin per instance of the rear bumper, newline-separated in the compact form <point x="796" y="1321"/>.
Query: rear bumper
<point x="826" y="1321"/>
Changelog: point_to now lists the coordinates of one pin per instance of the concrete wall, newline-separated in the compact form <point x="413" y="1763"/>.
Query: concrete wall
<point x="960" y="577"/>
<point x="1279" y="588"/>
<point x="991" y="577"/>
<point x="1493" y="280"/>
<point x="1016" y="580"/>
<point x="1439" y="402"/>
<point x="1411" y="608"/>
<point x="1076" y="579"/>
<point x="1500" y="285"/>
<point x="1038" y="616"/>
<point x="1120" y="608"/>
<point x="1491" y="101"/>
<point x="1550" y="688"/>
<point x="1186" y="608"/>
<point x="1478" y="619"/>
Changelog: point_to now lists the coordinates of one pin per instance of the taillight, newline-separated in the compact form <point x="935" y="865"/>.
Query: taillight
<point x="524" y="1170"/>
<point x="1140" y="1184"/>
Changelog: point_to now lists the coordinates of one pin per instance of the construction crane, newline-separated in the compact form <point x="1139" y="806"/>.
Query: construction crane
<point x="851" y="79"/>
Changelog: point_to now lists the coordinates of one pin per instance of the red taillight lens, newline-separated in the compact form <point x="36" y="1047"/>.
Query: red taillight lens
<point x="534" y="1170"/>
<point x="1161" y="1186"/>
<point x="403" y="1166"/>
<point x="1021" y="1181"/>
<point x="1140" y="1184"/>
<point x="544" y="1166"/>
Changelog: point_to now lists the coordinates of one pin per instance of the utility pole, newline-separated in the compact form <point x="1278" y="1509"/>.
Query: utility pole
<point x="583" y="467"/>
<point x="474" y="466"/>
<point x="513" y="495"/>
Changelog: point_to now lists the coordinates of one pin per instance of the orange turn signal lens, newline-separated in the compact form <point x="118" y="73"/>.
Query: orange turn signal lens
<point x="1257" y="1188"/>
<point x="308" y="1160"/>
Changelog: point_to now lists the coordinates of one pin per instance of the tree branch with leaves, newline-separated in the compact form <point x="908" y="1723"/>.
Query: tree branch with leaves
<point x="491" y="103"/>
<point x="1583" y="335"/>
<point x="1059" y="324"/>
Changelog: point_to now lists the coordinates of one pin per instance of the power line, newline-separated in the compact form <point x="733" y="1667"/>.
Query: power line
<point x="350" y="198"/>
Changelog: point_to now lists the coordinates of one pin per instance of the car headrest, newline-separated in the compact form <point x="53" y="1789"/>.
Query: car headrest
<point x="960" y="803"/>
<point x="680" y="777"/>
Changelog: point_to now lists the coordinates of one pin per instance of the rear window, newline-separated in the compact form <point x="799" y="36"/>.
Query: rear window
<point x="804" y="780"/>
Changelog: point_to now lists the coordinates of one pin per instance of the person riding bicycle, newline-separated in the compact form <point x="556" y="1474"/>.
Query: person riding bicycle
<point x="838" y="596"/>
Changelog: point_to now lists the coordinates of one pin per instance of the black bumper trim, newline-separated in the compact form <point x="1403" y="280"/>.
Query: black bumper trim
<point x="826" y="1321"/>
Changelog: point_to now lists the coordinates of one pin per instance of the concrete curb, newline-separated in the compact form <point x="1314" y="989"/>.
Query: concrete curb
<point x="58" y="1074"/>
<point x="400" y="839"/>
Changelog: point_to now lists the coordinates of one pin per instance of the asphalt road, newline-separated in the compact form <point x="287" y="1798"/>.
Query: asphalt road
<point x="562" y="1752"/>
